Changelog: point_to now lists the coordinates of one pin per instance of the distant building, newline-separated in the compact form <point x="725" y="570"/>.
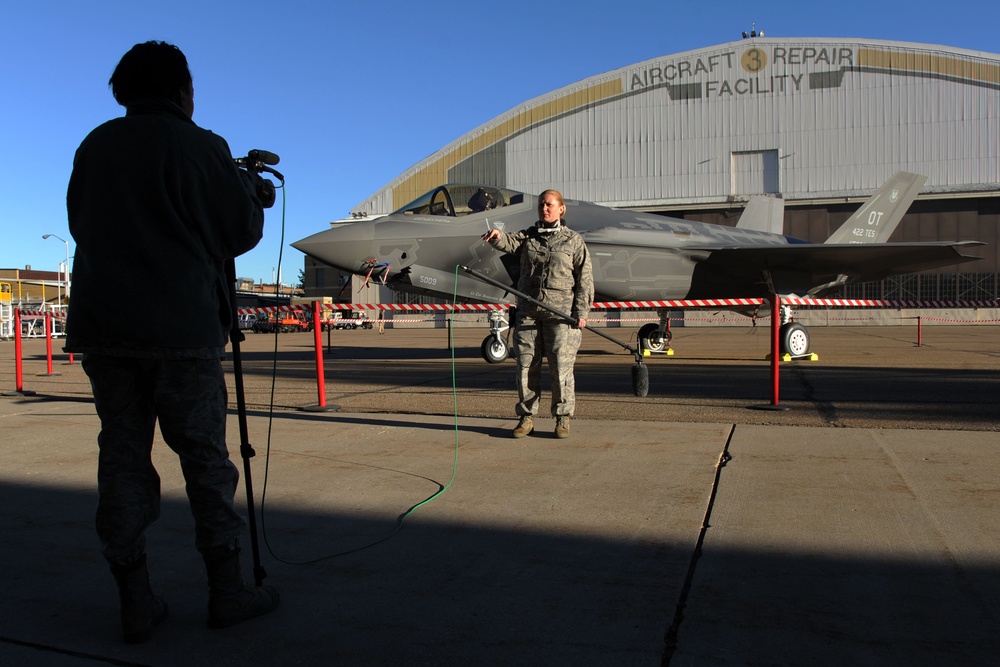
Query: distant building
<point x="251" y="294"/>
<point x="30" y="286"/>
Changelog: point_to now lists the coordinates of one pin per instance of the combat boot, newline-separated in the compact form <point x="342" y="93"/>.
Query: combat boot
<point x="524" y="427"/>
<point x="230" y="599"/>
<point x="562" y="426"/>
<point x="141" y="610"/>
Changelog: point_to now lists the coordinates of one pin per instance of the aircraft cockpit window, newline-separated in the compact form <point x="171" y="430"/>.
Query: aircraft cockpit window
<point x="457" y="200"/>
<point x="441" y="202"/>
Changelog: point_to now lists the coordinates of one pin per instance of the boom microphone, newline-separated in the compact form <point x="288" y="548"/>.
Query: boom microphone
<point x="265" y="157"/>
<point x="257" y="161"/>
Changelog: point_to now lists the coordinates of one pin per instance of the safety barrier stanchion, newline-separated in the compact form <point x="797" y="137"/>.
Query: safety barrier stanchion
<point x="329" y="337"/>
<point x="18" y="360"/>
<point x="775" y="356"/>
<point x="775" y="349"/>
<point x="320" y="373"/>
<point x="48" y="345"/>
<point x="920" y="333"/>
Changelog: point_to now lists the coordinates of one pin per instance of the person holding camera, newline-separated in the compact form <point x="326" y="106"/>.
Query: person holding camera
<point x="157" y="206"/>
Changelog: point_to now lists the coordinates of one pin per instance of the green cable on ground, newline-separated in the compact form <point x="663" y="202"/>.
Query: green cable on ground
<point x="408" y="512"/>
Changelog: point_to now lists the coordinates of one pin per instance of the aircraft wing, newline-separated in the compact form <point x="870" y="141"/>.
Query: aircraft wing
<point x="814" y="268"/>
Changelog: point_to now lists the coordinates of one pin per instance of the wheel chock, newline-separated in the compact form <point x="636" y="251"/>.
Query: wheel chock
<point x="812" y="356"/>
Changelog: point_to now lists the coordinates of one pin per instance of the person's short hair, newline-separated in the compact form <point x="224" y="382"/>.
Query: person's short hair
<point x="150" y="70"/>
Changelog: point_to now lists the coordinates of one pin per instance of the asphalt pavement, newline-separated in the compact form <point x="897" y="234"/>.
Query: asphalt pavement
<point x="698" y="525"/>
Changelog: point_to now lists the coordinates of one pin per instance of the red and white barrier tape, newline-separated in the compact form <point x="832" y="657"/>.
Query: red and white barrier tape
<point x="614" y="305"/>
<point x="883" y="303"/>
<point x="43" y="313"/>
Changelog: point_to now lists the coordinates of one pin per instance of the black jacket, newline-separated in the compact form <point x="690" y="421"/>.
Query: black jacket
<point x="156" y="206"/>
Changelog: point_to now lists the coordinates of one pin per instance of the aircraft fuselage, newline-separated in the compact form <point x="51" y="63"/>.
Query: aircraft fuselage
<point x="636" y="256"/>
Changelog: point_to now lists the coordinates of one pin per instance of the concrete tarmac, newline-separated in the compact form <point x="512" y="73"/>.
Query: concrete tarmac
<point x="856" y="526"/>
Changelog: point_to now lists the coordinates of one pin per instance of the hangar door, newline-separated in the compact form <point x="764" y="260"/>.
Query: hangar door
<point x="755" y="173"/>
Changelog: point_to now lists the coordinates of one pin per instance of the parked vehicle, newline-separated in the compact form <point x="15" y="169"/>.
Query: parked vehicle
<point x="264" y="324"/>
<point x="296" y="321"/>
<point x="285" y="322"/>
<point x="359" y="322"/>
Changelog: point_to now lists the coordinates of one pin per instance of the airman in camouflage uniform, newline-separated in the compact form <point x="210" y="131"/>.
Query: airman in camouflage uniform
<point x="555" y="270"/>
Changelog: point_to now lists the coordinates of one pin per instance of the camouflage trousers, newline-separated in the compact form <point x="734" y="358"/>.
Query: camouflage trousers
<point x="188" y="397"/>
<point x="556" y="341"/>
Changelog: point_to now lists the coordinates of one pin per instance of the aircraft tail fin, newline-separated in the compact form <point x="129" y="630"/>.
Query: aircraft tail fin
<point x="763" y="214"/>
<point x="875" y="221"/>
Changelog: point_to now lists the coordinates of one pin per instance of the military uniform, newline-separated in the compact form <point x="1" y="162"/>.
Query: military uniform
<point x="555" y="269"/>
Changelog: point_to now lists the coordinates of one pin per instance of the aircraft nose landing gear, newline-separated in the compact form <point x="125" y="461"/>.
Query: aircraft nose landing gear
<point x="495" y="348"/>
<point x="655" y="337"/>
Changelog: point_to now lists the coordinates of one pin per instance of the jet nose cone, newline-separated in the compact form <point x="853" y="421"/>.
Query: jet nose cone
<point x="347" y="247"/>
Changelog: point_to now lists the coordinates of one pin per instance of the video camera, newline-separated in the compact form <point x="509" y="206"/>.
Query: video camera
<point x="255" y="163"/>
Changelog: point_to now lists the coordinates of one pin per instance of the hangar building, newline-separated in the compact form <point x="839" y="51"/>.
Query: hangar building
<point x="821" y="123"/>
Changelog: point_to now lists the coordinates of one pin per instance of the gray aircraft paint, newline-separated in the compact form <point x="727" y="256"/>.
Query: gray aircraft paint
<point x="636" y="256"/>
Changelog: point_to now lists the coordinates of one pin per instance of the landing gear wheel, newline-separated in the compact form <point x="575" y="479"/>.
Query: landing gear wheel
<point x="494" y="349"/>
<point x="794" y="339"/>
<point x="650" y="338"/>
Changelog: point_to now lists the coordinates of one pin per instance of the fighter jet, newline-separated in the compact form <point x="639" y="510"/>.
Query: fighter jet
<point x="636" y="256"/>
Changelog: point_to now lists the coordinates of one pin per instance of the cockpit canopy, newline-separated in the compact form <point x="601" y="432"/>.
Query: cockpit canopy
<point x="458" y="199"/>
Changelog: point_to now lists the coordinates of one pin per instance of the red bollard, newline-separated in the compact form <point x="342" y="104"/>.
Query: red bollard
<point x="320" y="374"/>
<point x="775" y="347"/>
<point x="48" y="344"/>
<point x="775" y="356"/>
<point x="18" y="353"/>
<point x="318" y="343"/>
<point x="18" y="360"/>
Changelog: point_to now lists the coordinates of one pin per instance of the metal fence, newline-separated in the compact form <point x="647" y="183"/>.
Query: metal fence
<point x="929" y="287"/>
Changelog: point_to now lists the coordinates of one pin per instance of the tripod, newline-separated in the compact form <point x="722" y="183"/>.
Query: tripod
<point x="255" y="162"/>
<point x="246" y="449"/>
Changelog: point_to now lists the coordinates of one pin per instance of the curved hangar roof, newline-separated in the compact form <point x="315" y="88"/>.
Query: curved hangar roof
<point x="804" y="118"/>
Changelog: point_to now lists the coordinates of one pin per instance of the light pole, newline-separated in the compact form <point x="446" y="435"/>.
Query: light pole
<point x="45" y="236"/>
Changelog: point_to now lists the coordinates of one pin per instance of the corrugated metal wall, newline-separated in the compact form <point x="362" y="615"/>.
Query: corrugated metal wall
<point x="838" y="117"/>
<point x="839" y="131"/>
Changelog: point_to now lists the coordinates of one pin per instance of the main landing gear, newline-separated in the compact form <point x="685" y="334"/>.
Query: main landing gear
<point x="793" y="337"/>
<point x="653" y="336"/>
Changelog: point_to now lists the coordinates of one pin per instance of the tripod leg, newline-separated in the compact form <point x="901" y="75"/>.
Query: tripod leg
<point x="246" y="449"/>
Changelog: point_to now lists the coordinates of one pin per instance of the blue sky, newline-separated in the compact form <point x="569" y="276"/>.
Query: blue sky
<point x="352" y="94"/>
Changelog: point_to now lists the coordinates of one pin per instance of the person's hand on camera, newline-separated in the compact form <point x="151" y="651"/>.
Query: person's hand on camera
<point x="265" y="192"/>
<point x="262" y="187"/>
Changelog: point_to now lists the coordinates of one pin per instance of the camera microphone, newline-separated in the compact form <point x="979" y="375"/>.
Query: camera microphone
<point x="265" y="157"/>
<point x="257" y="161"/>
